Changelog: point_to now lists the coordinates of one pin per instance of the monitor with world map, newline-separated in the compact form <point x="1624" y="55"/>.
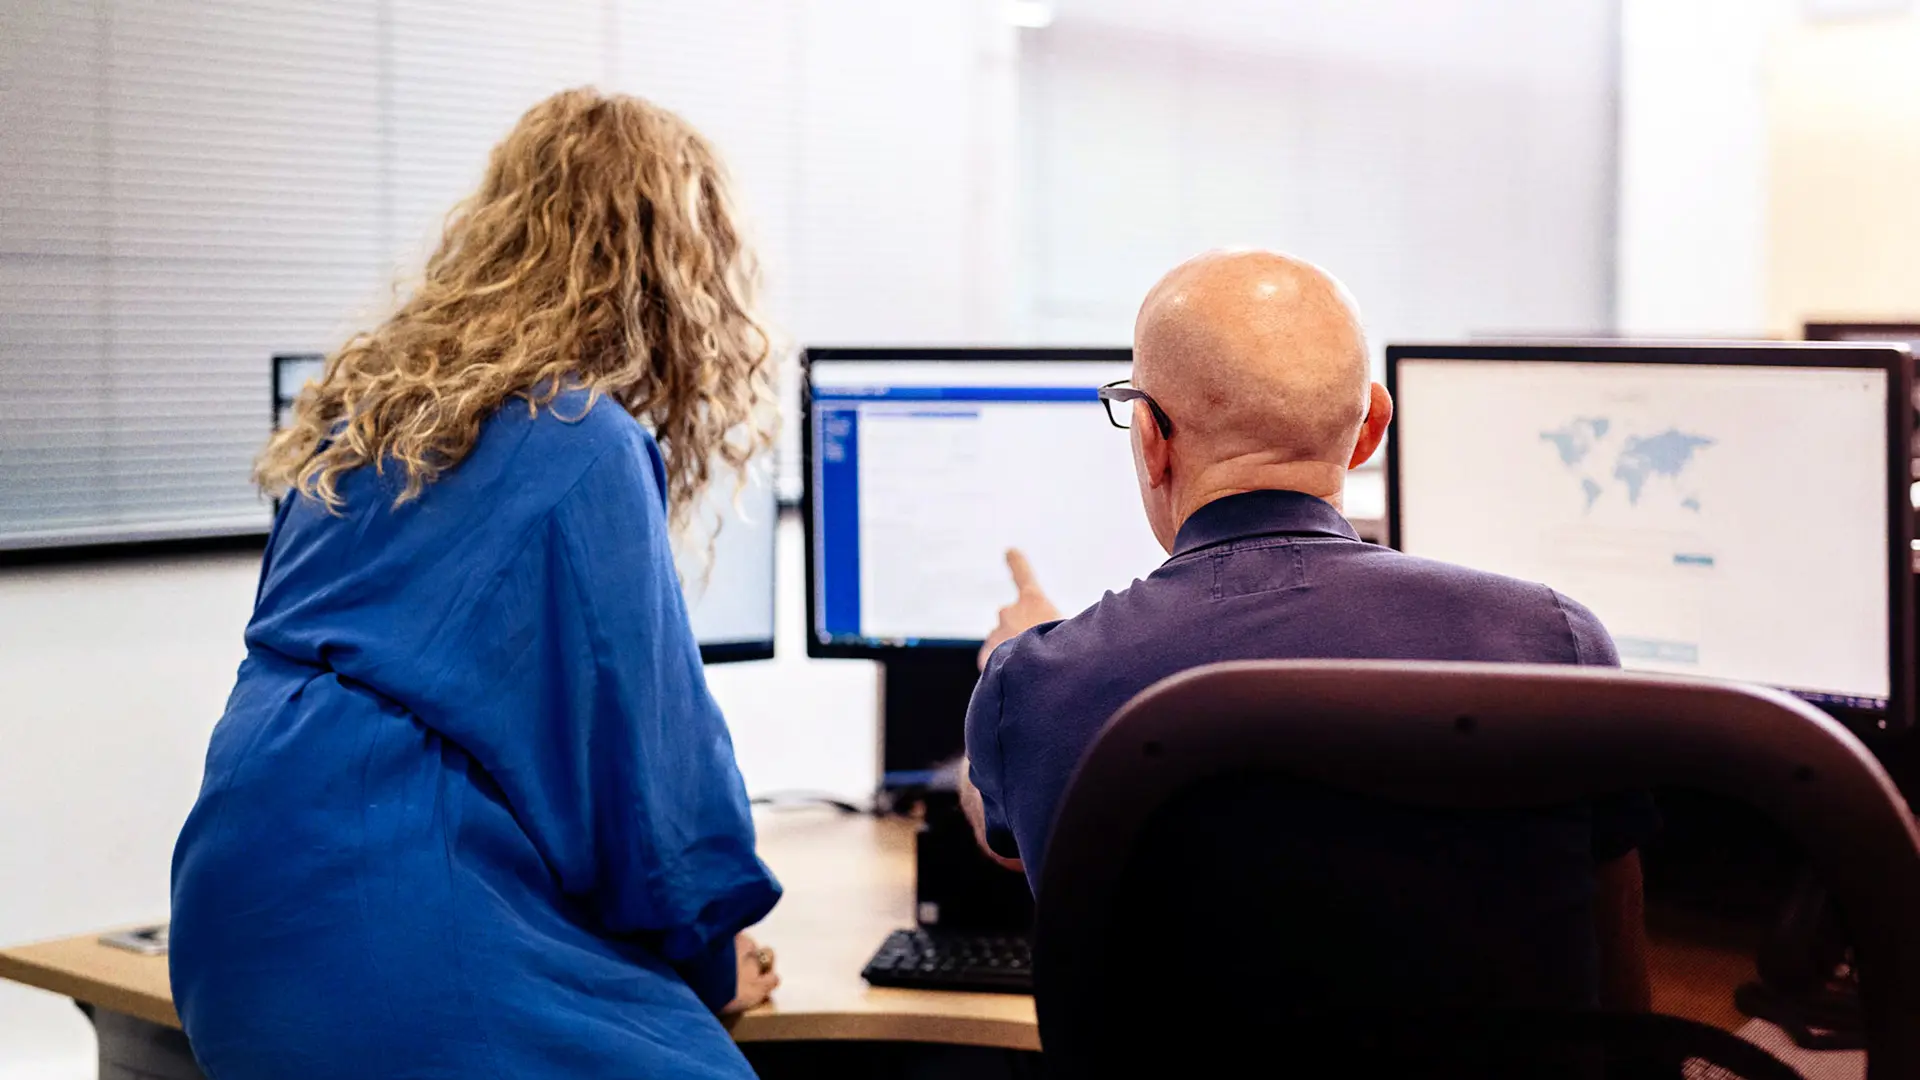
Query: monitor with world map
<point x="1728" y="510"/>
<point x="1902" y="333"/>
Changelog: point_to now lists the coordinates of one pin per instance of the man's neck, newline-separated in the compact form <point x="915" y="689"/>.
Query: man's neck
<point x="1320" y="479"/>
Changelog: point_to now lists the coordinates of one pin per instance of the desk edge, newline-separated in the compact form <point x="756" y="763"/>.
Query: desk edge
<point x="756" y="1027"/>
<point x="29" y="972"/>
<point x="913" y="1027"/>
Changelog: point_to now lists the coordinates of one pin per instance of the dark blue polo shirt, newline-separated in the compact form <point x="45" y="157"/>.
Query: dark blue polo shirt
<point x="1263" y="575"/>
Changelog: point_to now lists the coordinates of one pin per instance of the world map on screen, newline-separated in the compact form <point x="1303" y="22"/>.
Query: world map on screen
<point x="1594" y="449"/>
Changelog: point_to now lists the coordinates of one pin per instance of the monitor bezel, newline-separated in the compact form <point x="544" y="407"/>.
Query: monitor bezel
<point x="276" y="391"/>
<point x="866" y="650"/>
<point x="1893" y="332"/>
<point x="740" y="651"/>
<point x="1891" y="358"/>
<point x="734" y="652"/>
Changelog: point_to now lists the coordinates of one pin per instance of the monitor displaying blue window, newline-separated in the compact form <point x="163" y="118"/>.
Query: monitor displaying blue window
<point x="926" y="466"/>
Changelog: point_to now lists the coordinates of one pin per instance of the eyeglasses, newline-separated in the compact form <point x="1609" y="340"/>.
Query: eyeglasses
<point x="1119" y="397"/>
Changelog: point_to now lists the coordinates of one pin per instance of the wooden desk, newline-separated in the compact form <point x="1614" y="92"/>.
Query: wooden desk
<point x="94" y="974"/>
<point x="849" y="882"/>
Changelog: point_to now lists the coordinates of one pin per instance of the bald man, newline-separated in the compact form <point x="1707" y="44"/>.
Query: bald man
<point x="1250" y="402"/>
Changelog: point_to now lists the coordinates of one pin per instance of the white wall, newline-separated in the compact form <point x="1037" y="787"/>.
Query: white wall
<point x="1693" y="165"/>
<point x="1451" y="161"/>
<point x="801" y="725"/>
<point x="1843" y="107"/>
<point x="111" y="677"/>
<point x="1767" y="151"/>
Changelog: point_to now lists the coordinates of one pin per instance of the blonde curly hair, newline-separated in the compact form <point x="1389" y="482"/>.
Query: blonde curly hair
<point x="602" y="252"/>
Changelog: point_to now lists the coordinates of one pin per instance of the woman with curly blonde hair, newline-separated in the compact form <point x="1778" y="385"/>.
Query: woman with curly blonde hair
<point x="471" y="810"/>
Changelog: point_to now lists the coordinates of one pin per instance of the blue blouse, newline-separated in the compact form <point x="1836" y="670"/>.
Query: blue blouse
<point x="471" y="811"/>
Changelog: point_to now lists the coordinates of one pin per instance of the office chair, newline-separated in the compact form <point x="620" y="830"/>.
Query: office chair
<point x="1142" y="962"/>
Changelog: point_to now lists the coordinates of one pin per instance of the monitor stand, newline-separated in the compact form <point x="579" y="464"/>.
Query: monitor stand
<point x="924" y="698"/>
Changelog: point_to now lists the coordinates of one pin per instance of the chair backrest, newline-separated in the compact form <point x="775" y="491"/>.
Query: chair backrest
<point x="1462" y="737"/>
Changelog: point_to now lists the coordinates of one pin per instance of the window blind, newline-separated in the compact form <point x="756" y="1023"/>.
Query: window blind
<point x="188" y="187"/>
<point x="185" y="188"/>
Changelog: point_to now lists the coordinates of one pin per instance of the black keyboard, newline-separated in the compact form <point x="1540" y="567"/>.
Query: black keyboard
<point x="929" y="960"/>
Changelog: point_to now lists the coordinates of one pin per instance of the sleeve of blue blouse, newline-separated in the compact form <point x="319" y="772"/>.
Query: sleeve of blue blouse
<point x="636" y="800"/>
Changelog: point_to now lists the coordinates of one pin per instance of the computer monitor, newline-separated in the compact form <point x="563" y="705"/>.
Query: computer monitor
<point x="1736" y="511"/>
<point x="1899" y="333"/>
<point x="291" y="371"/>
<point x="924" y="466"/>
<point x="725" y="556"/>
<point x="730" y="593"/>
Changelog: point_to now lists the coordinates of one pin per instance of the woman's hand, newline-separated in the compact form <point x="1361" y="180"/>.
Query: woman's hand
<point x="756" y="980"/>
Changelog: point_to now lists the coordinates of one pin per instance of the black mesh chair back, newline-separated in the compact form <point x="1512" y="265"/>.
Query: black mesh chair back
<point x="1177" y="932"/>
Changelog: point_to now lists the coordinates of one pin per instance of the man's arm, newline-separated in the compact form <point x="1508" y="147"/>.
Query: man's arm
<point x="1030" y="608"/>
<point x="1620" y="927"/>
<point x="985" y="810"/>
<point x="975" y="808"/>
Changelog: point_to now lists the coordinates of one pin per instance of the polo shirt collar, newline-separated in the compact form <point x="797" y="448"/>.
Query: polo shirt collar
<point x="1261" y="513"/>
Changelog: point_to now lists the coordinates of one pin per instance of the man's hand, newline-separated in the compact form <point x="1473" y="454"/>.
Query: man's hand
<point x="1030" y="607"/>
<point x="756" y="981"/>
<point x="976" y="811"/>
<point x="1620" y="924"/>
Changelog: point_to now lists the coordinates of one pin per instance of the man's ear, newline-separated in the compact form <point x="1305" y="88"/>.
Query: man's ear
<point x="1374" y="428"/>
<point x="1155" y="454"/>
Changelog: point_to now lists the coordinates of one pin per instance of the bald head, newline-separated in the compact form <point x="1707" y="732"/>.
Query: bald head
<point x="1253" y="353"/>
